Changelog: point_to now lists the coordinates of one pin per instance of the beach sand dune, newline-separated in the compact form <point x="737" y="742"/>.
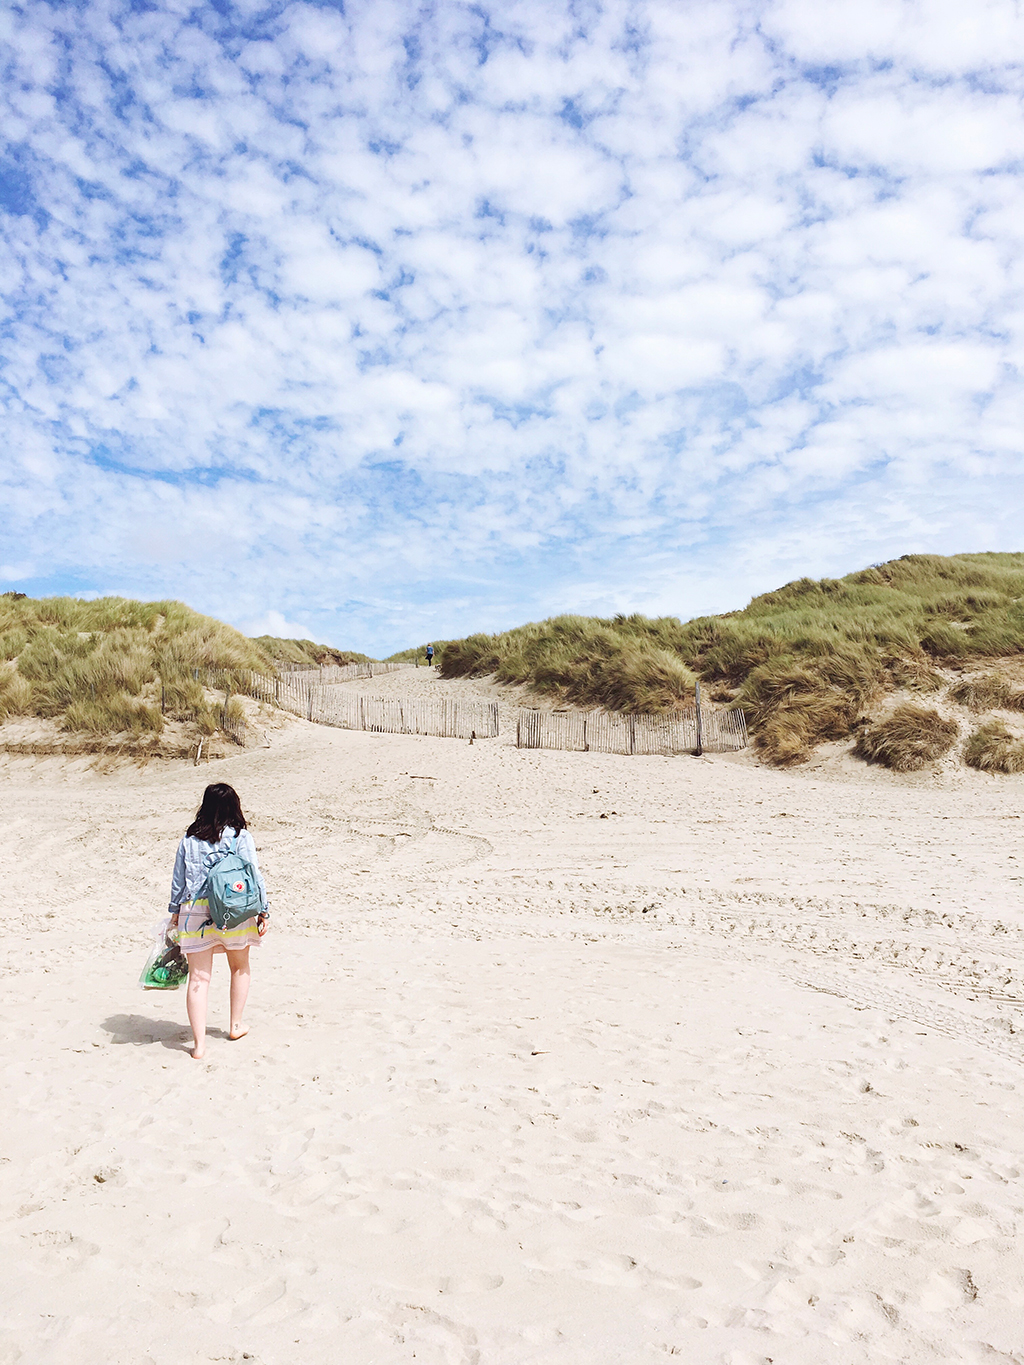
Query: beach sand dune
<point x="732" y="1074"/>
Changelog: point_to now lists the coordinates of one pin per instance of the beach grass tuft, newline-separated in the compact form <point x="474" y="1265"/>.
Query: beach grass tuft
<point x="908" y="739"/>
<point x="988" y="692"/>
<point x="993" y="748"/>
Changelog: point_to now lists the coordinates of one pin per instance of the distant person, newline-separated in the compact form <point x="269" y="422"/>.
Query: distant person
<point x="219" y="823"/>
<point x="430" y="656"/>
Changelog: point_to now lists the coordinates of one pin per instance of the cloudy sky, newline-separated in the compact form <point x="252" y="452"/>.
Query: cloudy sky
<point x="383" y="320"/>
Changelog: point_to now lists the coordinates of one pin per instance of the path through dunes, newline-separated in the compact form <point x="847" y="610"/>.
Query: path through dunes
<point x="730" y="1075"/>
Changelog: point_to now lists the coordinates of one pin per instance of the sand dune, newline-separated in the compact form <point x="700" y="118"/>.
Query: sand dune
<point x="730" y="1075"/>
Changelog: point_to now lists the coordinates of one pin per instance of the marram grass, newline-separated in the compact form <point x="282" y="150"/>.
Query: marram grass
<point x="992" y="748"/>
<point x="116" y="667"/>
<point x="805" y="662"/>
<point x="909" y="739"/>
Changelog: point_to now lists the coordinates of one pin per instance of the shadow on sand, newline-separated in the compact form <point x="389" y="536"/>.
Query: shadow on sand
<point x="137" y="1029"/>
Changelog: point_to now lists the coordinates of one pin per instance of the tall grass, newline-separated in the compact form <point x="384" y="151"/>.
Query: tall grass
<point x="992" y="748"/>
<point x="908" y="739"/>
<point x="988" y="692"/>
<point x="114" y="666"/>
<point x="418" y="653"/>
<point x="580" y="660"/>
<point x="804" y="662"/>
<point x="284" y="652"/>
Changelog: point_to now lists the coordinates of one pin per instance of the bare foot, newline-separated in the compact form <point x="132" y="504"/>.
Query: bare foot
<point x="197" y="1054"/>
<point x="238" y="1031"/>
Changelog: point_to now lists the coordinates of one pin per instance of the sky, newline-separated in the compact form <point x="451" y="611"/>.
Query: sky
<point x="382" y="321"/>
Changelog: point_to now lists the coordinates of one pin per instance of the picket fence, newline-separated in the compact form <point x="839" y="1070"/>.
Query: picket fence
<point x="327" y="705"/>
<point x="615" y="733"/>
<point x="335" y="673"/>
<point x="301" y="692"/>
<point x="692" y="729"/>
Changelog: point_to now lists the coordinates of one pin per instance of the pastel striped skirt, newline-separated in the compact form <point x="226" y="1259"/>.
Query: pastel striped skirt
<point x="197" y="932"/>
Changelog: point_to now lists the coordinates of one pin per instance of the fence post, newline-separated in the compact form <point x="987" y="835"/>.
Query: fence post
<point x="700" y="721"/>
<point x="632" y="734"/>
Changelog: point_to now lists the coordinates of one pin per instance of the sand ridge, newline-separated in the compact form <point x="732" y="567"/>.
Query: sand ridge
<point x="729" y="1075"/>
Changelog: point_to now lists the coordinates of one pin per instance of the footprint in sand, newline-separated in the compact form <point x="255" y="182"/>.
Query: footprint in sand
<point x="60" y="1250"/>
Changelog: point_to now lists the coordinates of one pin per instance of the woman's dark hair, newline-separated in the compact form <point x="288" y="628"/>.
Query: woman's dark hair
<point x="220" y="807"/>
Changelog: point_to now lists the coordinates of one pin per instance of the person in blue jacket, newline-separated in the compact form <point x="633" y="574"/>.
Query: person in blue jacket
<point x="219" y="828"/>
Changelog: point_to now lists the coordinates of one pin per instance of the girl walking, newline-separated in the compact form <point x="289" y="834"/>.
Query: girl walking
<point x="219" y="828"/>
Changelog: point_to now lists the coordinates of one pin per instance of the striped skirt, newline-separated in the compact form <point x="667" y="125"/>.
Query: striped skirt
<point x="197" y="932"/>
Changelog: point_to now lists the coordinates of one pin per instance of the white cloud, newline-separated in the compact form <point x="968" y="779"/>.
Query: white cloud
<point x="274" y="623"/>
<point x="346" y="316"/>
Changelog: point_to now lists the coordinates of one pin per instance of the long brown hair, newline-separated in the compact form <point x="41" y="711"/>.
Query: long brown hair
<point x="220" y="808"/>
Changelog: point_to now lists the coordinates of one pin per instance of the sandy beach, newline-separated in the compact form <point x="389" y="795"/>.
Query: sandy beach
<point x="556" y="1059"/>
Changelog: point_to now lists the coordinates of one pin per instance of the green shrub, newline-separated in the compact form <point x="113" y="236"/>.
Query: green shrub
<point x="908" y="739"/>
<point x="992" y="748"/>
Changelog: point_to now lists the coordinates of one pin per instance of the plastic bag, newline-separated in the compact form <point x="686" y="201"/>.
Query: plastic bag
<point x="166" y="967"/>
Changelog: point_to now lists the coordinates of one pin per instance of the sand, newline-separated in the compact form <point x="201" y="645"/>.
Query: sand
<point x="733" y="1074"/>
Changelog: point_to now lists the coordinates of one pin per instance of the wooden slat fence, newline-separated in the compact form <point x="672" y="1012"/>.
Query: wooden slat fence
<point x="334" y="673"/>
<point x="327" y="705"/>
<point x="302" y="692"/>
<point x="615" y="733"/>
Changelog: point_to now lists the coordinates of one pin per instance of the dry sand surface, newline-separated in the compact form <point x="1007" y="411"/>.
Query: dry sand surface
<point x="732" y="1075"/>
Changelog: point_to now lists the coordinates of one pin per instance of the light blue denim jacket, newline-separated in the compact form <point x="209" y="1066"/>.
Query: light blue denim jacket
<point x="194" y="859"/>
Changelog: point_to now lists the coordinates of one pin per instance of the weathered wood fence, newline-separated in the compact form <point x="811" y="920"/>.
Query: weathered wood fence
<point x="615" y="733"/>
<point x="335" y="673"/>
<point x="327" y="705"/>
<point x="301" y="692"/>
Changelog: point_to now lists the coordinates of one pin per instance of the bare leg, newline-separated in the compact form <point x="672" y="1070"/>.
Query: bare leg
<point x="200" y="965"/>
<point x="238" y="961"/>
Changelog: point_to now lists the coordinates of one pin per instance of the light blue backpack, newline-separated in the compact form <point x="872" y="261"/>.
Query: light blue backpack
<point x="232" y="890"/>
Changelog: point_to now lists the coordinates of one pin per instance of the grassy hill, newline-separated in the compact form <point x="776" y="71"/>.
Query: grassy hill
<point x="805" y="662"/>
<point x="120" y="667"/>
<point x="285" y="653"/>
<point x="418" y="654"/>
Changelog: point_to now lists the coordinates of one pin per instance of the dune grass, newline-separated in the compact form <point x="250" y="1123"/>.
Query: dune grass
<point x="618" y="664"/>
<point x="418" y="653"/>
<point x="988" y="692"/>
<point x="908" y="739"/>
<point x="804" y="662"/>
<point x="304" y="652"/>
<point x="992" y="748"/>
<point x="115" y="666"/>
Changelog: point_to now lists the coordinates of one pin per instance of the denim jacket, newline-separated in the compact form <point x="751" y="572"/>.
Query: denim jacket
<point x="196" y="857"/>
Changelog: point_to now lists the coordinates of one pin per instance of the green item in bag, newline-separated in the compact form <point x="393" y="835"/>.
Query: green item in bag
<point x="166" y="968"/>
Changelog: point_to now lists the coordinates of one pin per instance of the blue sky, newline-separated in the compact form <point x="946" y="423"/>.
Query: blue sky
<point x="380" y="321"/>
